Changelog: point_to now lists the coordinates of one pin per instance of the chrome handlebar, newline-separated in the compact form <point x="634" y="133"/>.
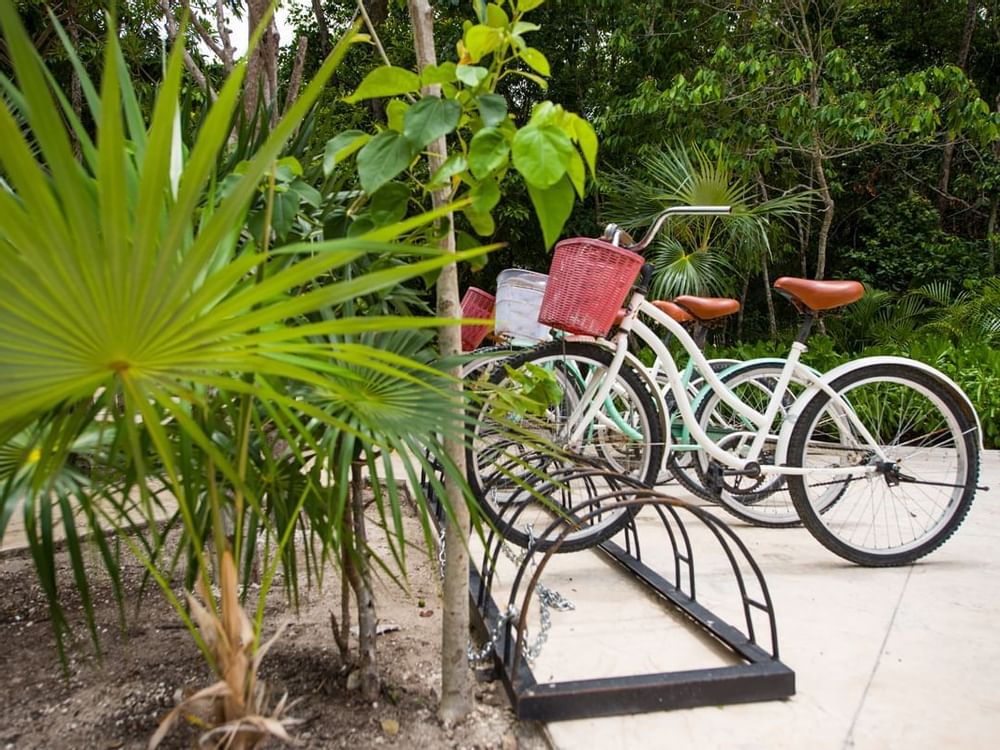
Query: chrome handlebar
<point x="615" y="234"/>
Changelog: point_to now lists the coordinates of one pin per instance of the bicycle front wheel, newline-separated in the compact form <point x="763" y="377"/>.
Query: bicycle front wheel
<point x="513" y="452"/>
<point x="920" y="468"/>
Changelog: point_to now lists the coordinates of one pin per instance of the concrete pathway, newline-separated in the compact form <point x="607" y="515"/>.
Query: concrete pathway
<point x="897" y="658"/>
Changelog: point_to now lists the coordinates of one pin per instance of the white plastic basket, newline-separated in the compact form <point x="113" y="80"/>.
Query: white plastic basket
<point x="519" y="297"/>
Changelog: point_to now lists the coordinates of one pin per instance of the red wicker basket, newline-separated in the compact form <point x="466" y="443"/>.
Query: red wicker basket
<point x="476" y="304"/>
<point x="588" y="282"/>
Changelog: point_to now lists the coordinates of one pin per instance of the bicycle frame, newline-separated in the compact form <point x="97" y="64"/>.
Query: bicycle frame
<point x="597" y="391"/>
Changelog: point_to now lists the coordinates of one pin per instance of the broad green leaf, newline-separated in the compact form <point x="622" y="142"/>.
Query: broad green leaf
<point x="492" y="109"/>
<point x="341" y="147"/>
<point x="471" y="75"/>
<point x="536" y="60"/>
<point x="553" y="206"/>
<point x="443" y="73"/>
<point x="382" y="158"/>
<point x="431" y="118"/>
<point x="487" y="152"/>
<point x="385" y="81"/>
<point x="545" y="113"/>
<point x="482" y="223"/>
<point x="496" y="17"/>
<point x="586" y="138"/>
<point x="453" y="165"/>
<point x="389" y="204"/>
<point x="485" y="195"/>
<point x="481" y="40"/>
<point x="541" y="154"/>
<point x="395" y="113"/>
<point x="523" y="27"/>
<point x="286" y="205"/>
<point x="577" y="173"/>
<point x="287" y="169"/>
<point x="307" y="193"/>
<point x="542" y="83"/>
<point x="523" y="6"/>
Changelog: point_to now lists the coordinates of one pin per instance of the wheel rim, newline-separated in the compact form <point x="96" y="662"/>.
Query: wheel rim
<point x="921" y="438"/>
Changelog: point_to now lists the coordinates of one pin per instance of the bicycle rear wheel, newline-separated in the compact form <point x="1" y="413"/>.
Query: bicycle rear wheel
<point x="917" y="496"/>
<point x="513" y="452"/>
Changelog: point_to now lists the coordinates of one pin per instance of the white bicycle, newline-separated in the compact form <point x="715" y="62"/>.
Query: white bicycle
<point x="878" y="457"/>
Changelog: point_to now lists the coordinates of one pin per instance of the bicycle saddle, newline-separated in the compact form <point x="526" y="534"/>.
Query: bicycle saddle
<point x="708" y="308"/>
<point x="674" y="311"/>
<point x="819" y="295"/>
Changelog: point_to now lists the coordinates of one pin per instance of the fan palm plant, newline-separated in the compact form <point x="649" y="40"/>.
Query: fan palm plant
<point x="696" y="254"/>
<point x="140" y="322"/>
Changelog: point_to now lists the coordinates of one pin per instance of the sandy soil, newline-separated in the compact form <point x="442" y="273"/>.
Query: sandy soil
<point x="116" y="700"/>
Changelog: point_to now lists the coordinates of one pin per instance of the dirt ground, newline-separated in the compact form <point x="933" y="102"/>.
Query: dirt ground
<point x="116" y="700"/>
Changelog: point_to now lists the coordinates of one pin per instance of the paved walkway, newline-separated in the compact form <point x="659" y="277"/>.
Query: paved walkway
<point x="897" y="658"/>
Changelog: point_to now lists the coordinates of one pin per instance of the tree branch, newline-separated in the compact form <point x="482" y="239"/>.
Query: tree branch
<point x="192" y="67"/>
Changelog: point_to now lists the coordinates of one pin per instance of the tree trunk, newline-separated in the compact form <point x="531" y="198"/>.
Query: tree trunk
<point x="262" y="67"/>
<point x="321" y="26"/>
<point x="949" y="146"/>
<point x="772" y="321"/>
<point x="456" y="677"/>
<point x="170" y="21"/>
<point x="743" y="304"/>
<point x="75" y="88"/>
<point x="828" y="206"/>
<point x="295" y="80"/>
<point x="992" y="240"/>
<point x="355" y="546"/>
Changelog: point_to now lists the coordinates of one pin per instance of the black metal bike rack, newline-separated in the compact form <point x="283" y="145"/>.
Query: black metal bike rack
<point x="757" y="673"/>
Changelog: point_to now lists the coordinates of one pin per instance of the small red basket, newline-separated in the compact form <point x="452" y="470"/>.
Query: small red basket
<point x="476" y="304"/>
<point x="588" y="282"/>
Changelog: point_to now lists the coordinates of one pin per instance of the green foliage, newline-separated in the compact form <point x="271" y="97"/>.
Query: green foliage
<point x="904" y="246"/>
<point x="696" y="255"/>
<point x="551" y="152"/>
<point x="152" y="348"/>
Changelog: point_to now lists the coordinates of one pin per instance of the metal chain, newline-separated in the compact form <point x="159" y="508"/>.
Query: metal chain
<point x="548" y="599"/>
<point x="486" y="652"/>
<point x="441" y="552"/>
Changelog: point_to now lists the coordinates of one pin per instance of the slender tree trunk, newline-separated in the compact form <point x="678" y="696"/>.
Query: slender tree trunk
<point x="170" y="21"/>
<point x="992" y="240"/>
<point x="321" y="26"/>
<point x="295" y="80"/>
<point x="358" y="573"/>
<point x="743" y="305"/>
<point x="772" y="321"/>
<point x="949" y="147"/>
<point x="769" y="298"/>
<point x="262" y="67"/>
<point x="456" y="677"/>
<point x="828" y="207"/>
<point x="75" y="88"/>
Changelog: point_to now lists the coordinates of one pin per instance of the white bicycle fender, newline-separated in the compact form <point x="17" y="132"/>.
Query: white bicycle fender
<point x="800" y="404"/>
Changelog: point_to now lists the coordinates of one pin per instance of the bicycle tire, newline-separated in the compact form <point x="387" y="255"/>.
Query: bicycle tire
<point x="876" y="522"/>
<point x="762" y="501"/>
<point x="500" y="464"/>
